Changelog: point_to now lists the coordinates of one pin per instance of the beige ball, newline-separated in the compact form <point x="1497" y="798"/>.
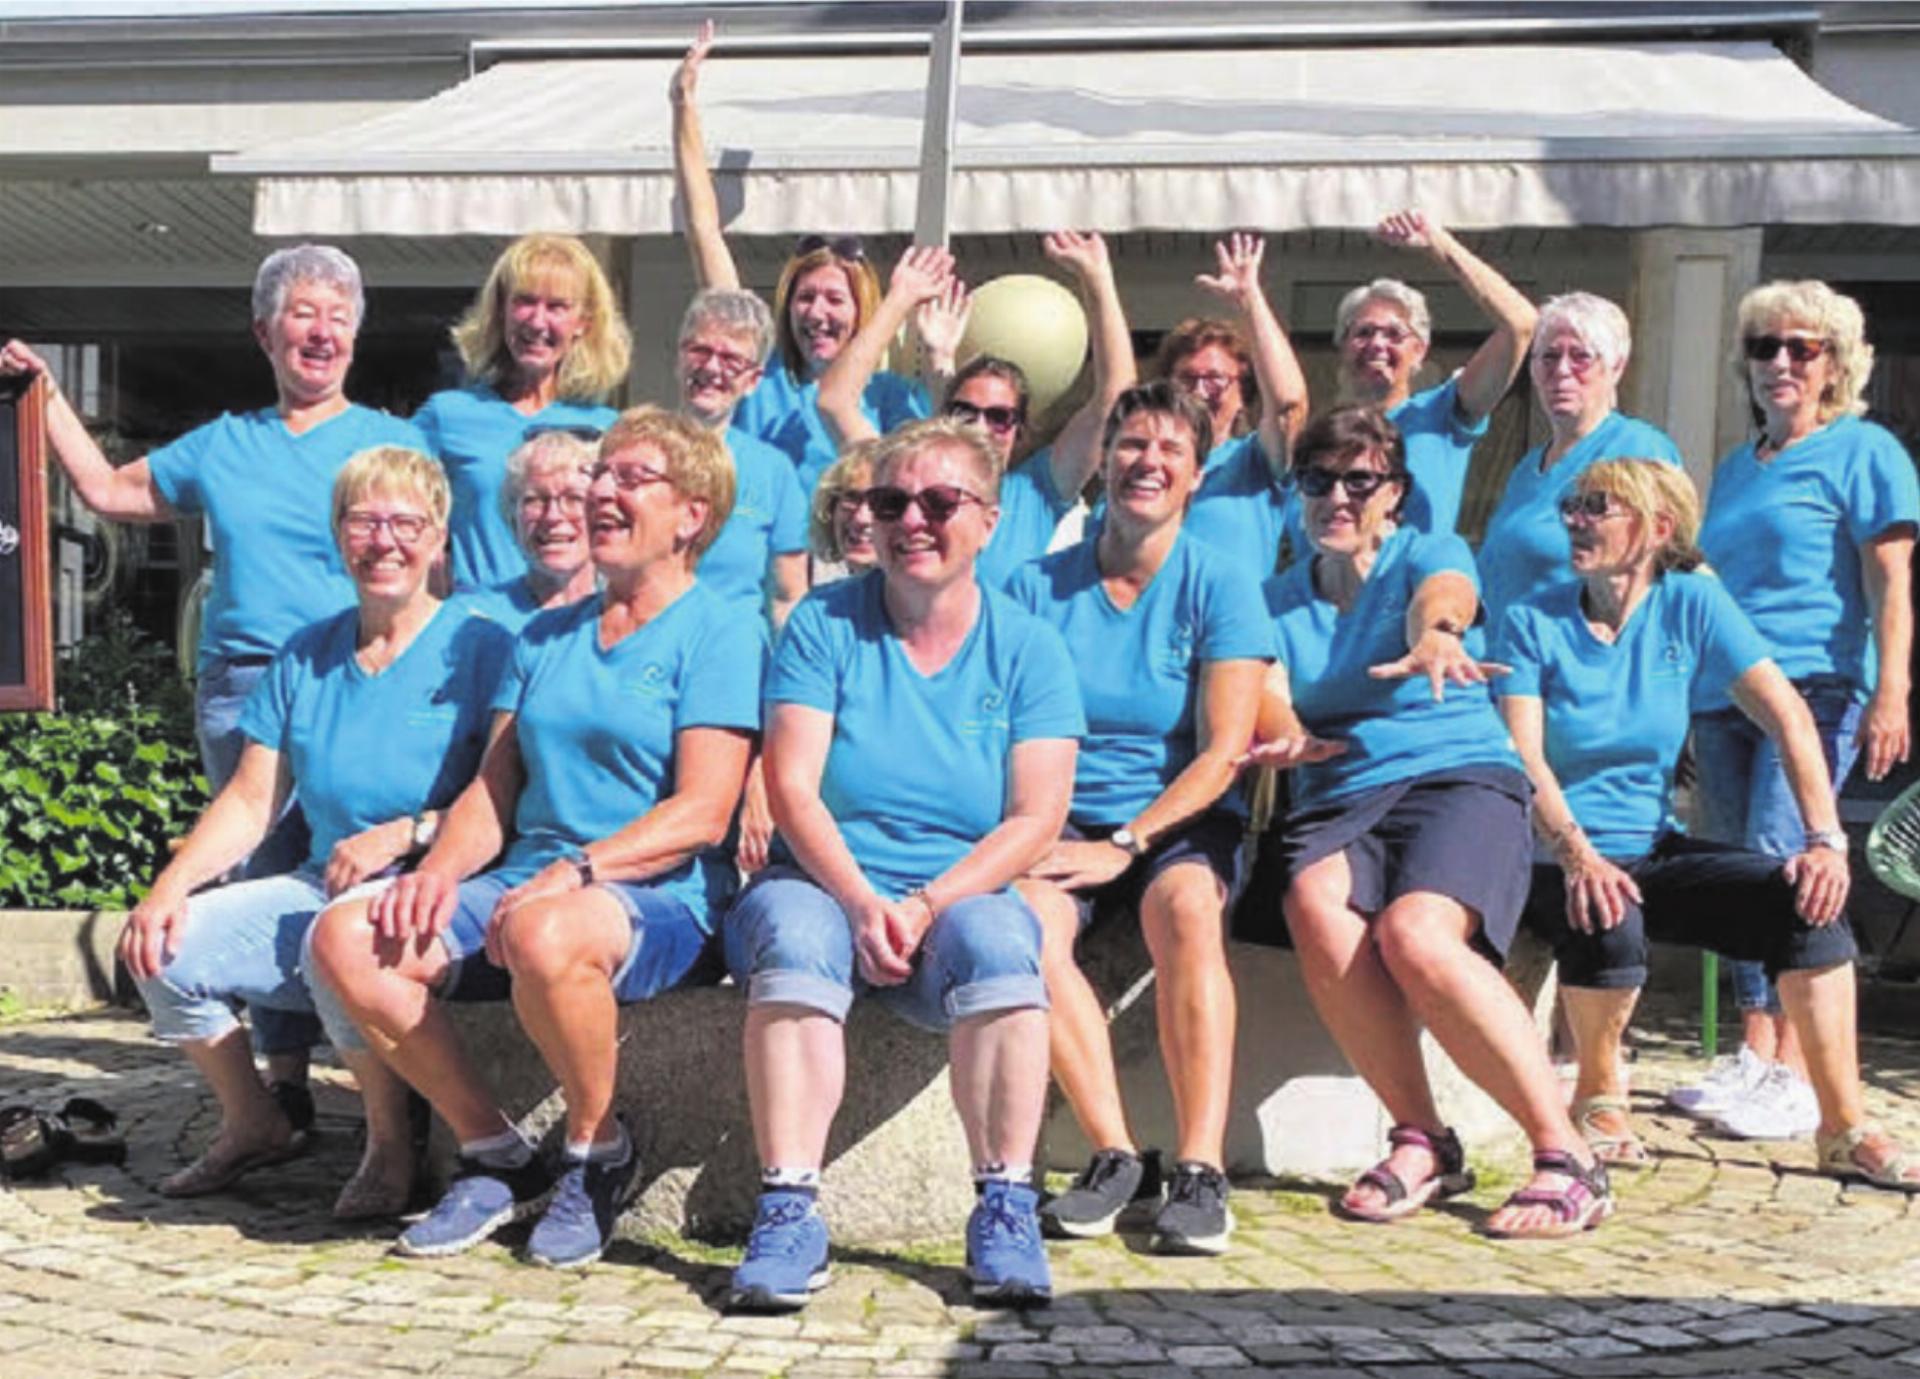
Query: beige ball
<point x="1036" y="323"/>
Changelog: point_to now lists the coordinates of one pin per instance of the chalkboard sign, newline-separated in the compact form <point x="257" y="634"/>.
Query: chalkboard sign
<point x="26" y="583"/>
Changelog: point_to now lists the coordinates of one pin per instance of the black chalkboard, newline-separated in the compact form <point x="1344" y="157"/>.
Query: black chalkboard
<point x="26" y="583"/>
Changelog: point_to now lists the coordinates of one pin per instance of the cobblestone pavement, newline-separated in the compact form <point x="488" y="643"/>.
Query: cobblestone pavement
<point x="1726" y="1259"/>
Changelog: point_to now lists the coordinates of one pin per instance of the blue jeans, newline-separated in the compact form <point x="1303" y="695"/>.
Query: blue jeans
<point x="218" y="697"/>
<point x="788" y="943"/>
<point x="1744" y="799"/>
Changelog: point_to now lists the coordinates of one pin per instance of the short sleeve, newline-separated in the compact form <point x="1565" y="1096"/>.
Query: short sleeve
<point x="790" y="517"/>
<point x="1441" y="553"/>
<point x="269" y="707"/>
<point x="1880" y="489"/>
<point x="721" y="685"/>
<point x="1023" y="586"/>
<point x="176" y="468"/>
<point x="805" y="669"/>
<point x="1516" y="643"/>
<point x="896" y="400"/>
<point x="1036" y="473"/>
<point x="489" y="652"/>
<point x="1046" y="699"/>
<point x="1446" y="417"/>
<point x="515" y="675"/>
<point x="427" y="422"/>
<point x="1234" y="625"/>
<point x="1729" y="645"/>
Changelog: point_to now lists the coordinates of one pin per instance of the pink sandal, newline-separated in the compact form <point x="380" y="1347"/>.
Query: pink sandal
<point x="1450" y="1177"/>
<point x="1582" y="1204"/>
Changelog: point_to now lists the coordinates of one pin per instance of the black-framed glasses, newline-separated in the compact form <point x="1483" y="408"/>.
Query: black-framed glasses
<point x="407" y="527"/>
<point x="938" y="502"/>
<point x="580" y="432"/>
<point x="1360" y="484"/>
<point x="999" y="420"/>
<point x="842" y="246"/>
<point x="1801" y="349"/>
<point x="537" y="505"/>
<point x="1591" y="506"/>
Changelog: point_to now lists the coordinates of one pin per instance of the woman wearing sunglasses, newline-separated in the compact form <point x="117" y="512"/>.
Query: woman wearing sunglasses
<point x="582" y="868"/>
<point x="543" y="343"/>
<point x="402" y="679"/>
<point x="1171" y="641"/>
<point x="920" y="740"/>
<point x="827" y="290"/>
<point x="1040" y="485"/>
<point x="1603" y="673"/>
<point x="544" y="498"/>
<point x="1407" y="849"/>
<point x="1579" y="355"/>
<point x="1811" y="527"/>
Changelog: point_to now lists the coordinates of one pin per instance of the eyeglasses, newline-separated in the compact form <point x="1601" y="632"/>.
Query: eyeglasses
<point x="1195" y="381"/>
<point x="938" y="502"/>
<point x="589" y="434"/>
<point x="627" y="477"/>
<point x="535" y="505"/>
<point x="1360" y="484"/>
<point x="730" y="365"/>
<point x="1389" y="334"/>
<point x="850" y="500"/>
<point x="843" y="246"/>
<point x="1591" y="506"/>
<point x="407" y="527"/>
<point x="1579" y="362"/>
<point x="1801" y="349"/>
<point x="999" y="420"/>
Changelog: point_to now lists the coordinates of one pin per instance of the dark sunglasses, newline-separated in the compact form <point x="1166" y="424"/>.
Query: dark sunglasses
<point x="1316" y="482"/>
<point x="843" y="246"/>
<point x="999" y="420"/>
<point x="938" y="502"/>
<point x="1801" y="350"/>
<point x="589" y="434"/>
<point x="1590" y="506"/>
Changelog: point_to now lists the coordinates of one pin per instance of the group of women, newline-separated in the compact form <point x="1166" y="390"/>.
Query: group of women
<point x="547" y="703"/>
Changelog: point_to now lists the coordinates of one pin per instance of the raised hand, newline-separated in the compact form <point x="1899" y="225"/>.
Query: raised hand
<point x="1081" y="253"/>
<point x="1238" y="258"/>
<point x="922" y="273"/>
<point x="16" y="359"/>
<point x="1409" y="229"/>
<point x="686" y="77"/>
<point x="941" y="322"/>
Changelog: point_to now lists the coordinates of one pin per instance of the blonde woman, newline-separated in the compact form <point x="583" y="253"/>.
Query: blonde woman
<point x="543" y="343"/>
<point x="1603" y="671"/>
<point x="841" y="529"/>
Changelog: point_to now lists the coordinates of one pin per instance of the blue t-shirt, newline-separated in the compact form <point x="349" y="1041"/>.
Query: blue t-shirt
<point x="1139" y="668"/>
<point x="786" y="414"/>
<point x="919" y="765"/>
<point x="511" y="604"/>
<point x="367" y="749"/>
<point x="1393" y="728"/>
<point x="1785" y="538"/>
<point x="472" y="430"/>
<point x="599" y="729"/>
<point x="769" y="518"/>
<point x="1525" y="550"/>
<point x="267" y="496"/>
<point x="1030" y="510"/>
<point x="1240" y="508"/>
<point x="1617" y="714"/>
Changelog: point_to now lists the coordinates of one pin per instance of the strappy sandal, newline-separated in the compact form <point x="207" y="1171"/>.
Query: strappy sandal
<point x="1613" y="1150"/>
<point x="1582" y="1204"/>
<point x="207" y="1175"/>
<point x="32" y="1141"/>
<point x="1836" y="1153"/>
<point x="1450" y="1177"/>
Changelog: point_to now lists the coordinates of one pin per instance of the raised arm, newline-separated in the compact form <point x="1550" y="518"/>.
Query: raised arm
<point x="941" y="324"/>
<point x="124" y="493"/>
<point x="1283" y="387"/>
<point x="1886" y="565"/>
<point x="713" y="264"/>
<point x="920" y="276"/>
<point x="1076" y="450"/>
<point x="1493" y="367"/>
<point x="1819" y="873"/>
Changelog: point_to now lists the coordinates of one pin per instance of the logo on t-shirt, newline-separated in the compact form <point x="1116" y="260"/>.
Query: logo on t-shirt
<point x="1673" y="663"/>
<point x="651" y="681"/>
<point x="991" y="717"/>
<point x="1179" y="652"/>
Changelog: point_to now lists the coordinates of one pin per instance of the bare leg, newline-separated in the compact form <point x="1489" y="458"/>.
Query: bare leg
<point x="382" y="1183"/>
<point x="1821" y="1004"/>
<point x="251" y="1121"/>
<point x="1183" y="917"/>
<point x="1759" y="1032"/>
<point x="1599" y="1018"/>
<point x="796" y="1061"/>
<point x="1082" y="1051"/>
<point x="563" y="953"/>
<point x="999" y="1079"/>
<point x="1787" y="1044"/>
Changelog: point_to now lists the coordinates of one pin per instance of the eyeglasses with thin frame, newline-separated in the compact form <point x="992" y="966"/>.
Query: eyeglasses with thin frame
<point x="1592" y="506"/>
<point x="1579" y="361"/>
<point x="1382" y="331"/>
<point x="1360" y="484"/>
<point x="729" y="364"/>
<point x="999" y="420"/>
<point x="938" y="503"/>
<point x="843" y="246"/>
<point x="1801" y="349"/>
<point x="1195" y="380"/>
<point x="626" y="477"/>
<point x="534" y="506"/>
<point x="407" y="527"/>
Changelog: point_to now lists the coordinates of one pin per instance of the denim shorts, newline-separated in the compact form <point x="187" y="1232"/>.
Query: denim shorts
<point x="788" y="943"/>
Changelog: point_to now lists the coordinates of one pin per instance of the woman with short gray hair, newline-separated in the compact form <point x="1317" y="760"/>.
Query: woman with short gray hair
<point x="544" y="500"/>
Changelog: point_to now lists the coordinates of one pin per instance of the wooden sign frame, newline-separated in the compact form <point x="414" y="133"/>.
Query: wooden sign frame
<point x="26" y="574"/>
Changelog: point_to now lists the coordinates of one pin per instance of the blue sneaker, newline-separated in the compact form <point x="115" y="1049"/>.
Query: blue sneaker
<point x="1005" y="1258"/>
<point x="479" y="1201"/>
<point x="579" y="1220"/>
<point x="786" y="1254"/>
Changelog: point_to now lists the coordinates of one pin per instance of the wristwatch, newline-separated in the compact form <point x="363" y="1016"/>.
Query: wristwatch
<point x="583" y="865"/>
<point x="1834" y="838"/>
<point x="1128" y="842"/>
<point x="423" y="831"/>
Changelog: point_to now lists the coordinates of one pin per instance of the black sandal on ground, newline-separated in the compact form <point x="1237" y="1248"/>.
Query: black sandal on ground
<point x="33" y="1141"/>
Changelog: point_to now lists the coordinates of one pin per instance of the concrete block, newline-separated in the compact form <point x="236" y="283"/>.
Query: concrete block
<point x="59" y="959"/>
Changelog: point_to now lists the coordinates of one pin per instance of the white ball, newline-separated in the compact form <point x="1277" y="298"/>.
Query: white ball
<point x="1036" y="323"/>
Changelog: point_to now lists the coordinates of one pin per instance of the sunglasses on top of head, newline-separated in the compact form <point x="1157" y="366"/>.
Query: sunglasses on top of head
<point x="1801" y="349"/>
<point x="938" y="502"/>
<point x="1316" y="482"/>
<point x="842" y="246"/>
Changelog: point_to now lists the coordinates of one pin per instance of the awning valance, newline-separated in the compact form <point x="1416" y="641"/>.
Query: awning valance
<point x="1498" y="135"/>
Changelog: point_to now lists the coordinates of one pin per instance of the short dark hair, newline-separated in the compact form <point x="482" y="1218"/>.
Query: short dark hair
<point x="1162" y="397"/>
<point x="994" y="366"/>
<point x="1195" y="334"/>
<point x="1351" y="431"/>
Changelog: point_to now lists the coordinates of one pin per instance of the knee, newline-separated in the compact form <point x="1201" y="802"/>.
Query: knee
<point x="1059" y="923"/>
<point x="986" y="936"/>
<point x="339" y="946"/>
<point x="1184" y="919"/>
<point x="540" y="942"/>
<point x="1412" y="944"/>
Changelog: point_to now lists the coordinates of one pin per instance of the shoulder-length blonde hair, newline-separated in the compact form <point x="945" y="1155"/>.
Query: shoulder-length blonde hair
<point x="862" y="281"/>
<point x="852" y="472"/>
<point x="597" y="361"/>
<point x="1839" y="321"/>
<point x="1650" y="489"/>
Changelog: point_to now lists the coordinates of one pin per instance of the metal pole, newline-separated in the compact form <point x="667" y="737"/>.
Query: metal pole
<point x="930" y="221"/>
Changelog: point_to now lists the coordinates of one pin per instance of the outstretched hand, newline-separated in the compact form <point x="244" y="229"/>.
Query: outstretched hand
<point x="941" y="320"/>
<point x="1443" y="659"/>
<point x="686" y="77"/>
<point x="1082" y="253"/>
<point x="1238" y="258"/>
<point x="1285" y="753"/>
<point x="922" y="273"/>
<point x="1409" y="229"/>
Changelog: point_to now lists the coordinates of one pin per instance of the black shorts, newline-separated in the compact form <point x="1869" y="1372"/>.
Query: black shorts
<point x="1728" y="900"/>
<point x="1211" y="840"/>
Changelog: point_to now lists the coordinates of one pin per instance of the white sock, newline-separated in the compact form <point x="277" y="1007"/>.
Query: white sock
<point x="615" y="1151"/>
<point x="508" y="1149"/>
<point x="801" y="1179"/>
<point x="1003" y="1173"/>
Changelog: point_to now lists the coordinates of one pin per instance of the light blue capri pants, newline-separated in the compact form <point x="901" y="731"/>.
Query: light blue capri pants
<point x="788" y="943"/>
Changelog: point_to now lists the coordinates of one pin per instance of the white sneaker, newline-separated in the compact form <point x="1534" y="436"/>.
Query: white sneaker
<point x="1782" y="1107"/>
<point x="1729" y="1080"/>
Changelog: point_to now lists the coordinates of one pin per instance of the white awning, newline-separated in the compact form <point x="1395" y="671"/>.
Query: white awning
<point x="1317" y="138"/>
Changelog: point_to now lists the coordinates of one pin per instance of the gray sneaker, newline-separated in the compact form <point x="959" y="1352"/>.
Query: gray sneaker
<point x="1111" y="1182"/>
<point x="1195" y="1220"/>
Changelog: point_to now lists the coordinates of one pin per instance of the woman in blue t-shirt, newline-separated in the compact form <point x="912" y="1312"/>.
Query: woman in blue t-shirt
<point x="1603" y="671"/>
<point x="921" y="733"/>
<point x="544" y="498"/>
<point x="402" y="679"/>
<point x="1170" y="641"/>
<point x="621" y="736"/>
<point x="1811" y="527"/>
<point x="1407" y="852"/>
<point x="1579" y="355"/>
<point x="543" y="343"/>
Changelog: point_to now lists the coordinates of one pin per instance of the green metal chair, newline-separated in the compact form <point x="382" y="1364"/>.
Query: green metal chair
<point x="1893" y="855"/>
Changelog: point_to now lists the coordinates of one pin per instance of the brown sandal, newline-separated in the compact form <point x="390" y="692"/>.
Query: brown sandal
<point x="1615" y="1151"/>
